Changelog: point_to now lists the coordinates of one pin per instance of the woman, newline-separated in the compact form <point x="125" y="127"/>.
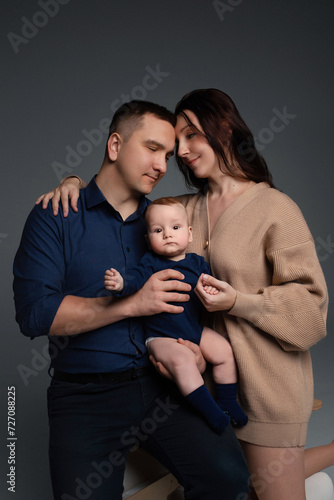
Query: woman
<point x="273" y="297"/>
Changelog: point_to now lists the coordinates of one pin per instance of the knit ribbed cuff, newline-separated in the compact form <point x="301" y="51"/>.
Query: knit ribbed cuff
<point x="248" y="306"/>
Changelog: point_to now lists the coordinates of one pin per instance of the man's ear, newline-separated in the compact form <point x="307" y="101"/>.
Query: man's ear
<point x="114" y="143"/>
<point x="190" y="234"/>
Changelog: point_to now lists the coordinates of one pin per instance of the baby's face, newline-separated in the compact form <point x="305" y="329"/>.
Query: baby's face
<point x="168" y="231"/>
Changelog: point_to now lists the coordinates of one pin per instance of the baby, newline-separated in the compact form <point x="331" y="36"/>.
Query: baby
<point x="168" y="235"/>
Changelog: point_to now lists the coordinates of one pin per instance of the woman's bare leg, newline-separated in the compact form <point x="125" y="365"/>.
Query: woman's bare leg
<point x="276" y="473"/>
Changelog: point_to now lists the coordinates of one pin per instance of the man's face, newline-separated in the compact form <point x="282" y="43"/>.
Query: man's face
<point x="142" y="160"/>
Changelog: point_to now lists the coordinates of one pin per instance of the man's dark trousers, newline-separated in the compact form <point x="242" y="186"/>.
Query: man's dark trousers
<point x="94" y="425"/>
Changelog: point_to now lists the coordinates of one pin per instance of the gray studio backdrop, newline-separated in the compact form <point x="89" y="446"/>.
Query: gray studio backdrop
<point x="67" y="64"/>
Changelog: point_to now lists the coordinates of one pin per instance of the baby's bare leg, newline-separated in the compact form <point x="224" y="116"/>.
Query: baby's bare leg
<point x="179" y="361"/>
<point x="218" y="351"/>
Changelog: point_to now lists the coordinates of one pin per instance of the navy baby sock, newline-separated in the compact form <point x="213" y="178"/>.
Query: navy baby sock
<point x="204" y="403"/>
<point x="226" y="398"/>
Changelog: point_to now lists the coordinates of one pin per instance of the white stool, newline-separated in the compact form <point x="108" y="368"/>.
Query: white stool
<point x="319" y="487"/>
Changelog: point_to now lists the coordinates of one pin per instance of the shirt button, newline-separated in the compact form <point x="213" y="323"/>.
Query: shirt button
<point x="206" y="244"/>
<point x="127" y="249"/>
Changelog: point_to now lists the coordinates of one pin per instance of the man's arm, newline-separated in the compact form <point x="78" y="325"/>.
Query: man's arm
<point x="42" y="306"/>
<point x="79" y="315"/>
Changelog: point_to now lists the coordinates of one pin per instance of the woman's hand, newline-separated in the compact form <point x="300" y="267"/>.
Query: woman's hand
<point x="68" y="189"/>
<point x="222" y="300"/>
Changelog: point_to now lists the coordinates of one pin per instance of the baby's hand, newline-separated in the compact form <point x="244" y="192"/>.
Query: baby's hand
<point x="113" y="280"/>
<point x="214" y="294"/>
<point x="211" y="290"/>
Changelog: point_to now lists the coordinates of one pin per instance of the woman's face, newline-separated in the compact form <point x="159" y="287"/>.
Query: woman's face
<point x="194" y="149"/>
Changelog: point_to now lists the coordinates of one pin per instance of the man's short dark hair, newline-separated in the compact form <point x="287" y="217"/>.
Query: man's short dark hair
<point x="128" y="116"/>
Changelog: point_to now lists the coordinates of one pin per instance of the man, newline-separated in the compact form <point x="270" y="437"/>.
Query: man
<point x="104" y="397"/>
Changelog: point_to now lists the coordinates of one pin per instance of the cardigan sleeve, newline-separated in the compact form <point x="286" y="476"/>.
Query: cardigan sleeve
<point x="293" y="308"/>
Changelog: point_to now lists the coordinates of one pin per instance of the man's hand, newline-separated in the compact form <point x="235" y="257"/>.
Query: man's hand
<point x="68" y="189"/>
<point x="159" y="290"/>
<point x="161" y="369"/>
<point x="200" y="361"/>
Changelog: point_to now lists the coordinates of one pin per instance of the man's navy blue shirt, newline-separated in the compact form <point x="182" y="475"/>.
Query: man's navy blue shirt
<point x="68" y="256"/>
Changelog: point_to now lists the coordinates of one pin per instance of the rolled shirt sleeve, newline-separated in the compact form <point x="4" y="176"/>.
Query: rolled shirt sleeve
<point x="39" y="270"/>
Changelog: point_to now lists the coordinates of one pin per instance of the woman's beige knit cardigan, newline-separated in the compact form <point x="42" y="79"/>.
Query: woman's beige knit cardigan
<point x="262" y="246"/>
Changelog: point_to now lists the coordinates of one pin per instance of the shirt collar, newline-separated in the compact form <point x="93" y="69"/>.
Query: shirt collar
<point x="94" y="197"/>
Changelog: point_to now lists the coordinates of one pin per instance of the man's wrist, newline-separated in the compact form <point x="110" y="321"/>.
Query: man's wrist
<point x="131" y="308"/>
<point x="126" y="307"/>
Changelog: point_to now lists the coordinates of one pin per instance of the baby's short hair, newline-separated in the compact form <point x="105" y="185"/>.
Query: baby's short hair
<point x="166" y="201"/>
